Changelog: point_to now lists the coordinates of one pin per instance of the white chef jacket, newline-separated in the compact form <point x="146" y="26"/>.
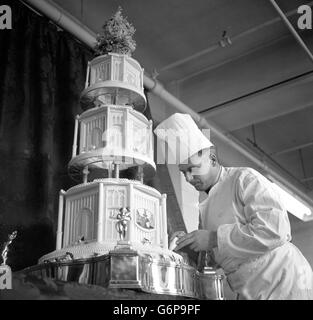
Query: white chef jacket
<point x="253" y="233"/>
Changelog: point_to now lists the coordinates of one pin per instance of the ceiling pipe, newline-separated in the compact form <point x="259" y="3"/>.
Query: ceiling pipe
<point x="64" y="20"/>
<point x="291" y="149"/>
<point x="292" y="29"/>
<point x="72" y="25"/>
<point x="234" y="39"/>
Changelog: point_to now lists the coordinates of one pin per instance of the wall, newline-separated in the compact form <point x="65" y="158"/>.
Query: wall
<point x="187" y="196"/>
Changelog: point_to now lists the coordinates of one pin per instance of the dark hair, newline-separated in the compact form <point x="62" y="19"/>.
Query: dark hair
<point x="213" y="150"/>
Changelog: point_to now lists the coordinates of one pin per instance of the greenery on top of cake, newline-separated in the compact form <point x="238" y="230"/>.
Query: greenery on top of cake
<point x="116" y="37"/>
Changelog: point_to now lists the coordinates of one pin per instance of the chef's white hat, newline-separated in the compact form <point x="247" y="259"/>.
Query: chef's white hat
<point x="182" y="136"/>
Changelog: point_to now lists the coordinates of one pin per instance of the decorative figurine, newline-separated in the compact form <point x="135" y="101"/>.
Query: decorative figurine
<point x="5" y="270"/>
<point x="5" y="251"/>
<point x="123" y="217"/>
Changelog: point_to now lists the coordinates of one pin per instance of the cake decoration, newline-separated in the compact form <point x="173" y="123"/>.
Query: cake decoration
<point x="112" y="231"/>
<point x="117" y="36"/>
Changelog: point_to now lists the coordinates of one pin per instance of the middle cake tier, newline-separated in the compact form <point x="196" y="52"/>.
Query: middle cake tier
<point x="111" y="134"/>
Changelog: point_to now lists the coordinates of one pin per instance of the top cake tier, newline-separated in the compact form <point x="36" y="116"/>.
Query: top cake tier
<point x="114" y="79"/>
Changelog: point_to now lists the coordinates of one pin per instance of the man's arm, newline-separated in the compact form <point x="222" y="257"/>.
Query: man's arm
<point x="262" y="222"/>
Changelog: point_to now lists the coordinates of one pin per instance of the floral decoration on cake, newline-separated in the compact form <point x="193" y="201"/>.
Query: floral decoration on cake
<point x="116" y="37"/>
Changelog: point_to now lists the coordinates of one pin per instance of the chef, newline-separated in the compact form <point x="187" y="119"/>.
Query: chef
<point x="242" y="220"/>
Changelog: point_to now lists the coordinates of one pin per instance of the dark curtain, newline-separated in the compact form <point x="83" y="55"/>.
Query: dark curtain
<point x="42" y="73"/>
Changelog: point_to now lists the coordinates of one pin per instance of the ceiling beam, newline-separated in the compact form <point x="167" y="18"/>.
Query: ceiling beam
<point x="291" y="149"/>
<point x="232" y="59"/>
<point x="292" y="29"/>
<point x="296" y="80"/>
<point x="233" y="39"/>
<point x="64" y="20"/>
<point x="265" y="104"/>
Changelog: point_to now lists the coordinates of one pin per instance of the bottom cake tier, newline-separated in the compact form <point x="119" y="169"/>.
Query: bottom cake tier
<point x="109" y="210"/>
<point x="152" y="270"/>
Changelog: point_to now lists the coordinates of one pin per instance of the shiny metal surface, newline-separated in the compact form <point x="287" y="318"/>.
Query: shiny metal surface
<point x="124" y="272"/>
<point x="210" y="285"/>
<point x="129" y="269"/>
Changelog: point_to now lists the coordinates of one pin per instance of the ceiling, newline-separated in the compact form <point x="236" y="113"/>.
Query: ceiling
<point x="257" y="87"/>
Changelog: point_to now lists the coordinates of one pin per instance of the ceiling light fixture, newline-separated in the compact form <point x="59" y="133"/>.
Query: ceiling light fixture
<point x="293" y="205"/>
<point x="155" y="74"/>
<point x="225" y="40"/>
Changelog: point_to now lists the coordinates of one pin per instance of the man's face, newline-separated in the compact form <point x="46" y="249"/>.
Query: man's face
<point x="199" y="172"/>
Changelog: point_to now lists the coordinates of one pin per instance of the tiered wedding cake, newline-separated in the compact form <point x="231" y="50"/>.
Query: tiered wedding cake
<point x="111" y="137"/>
<point x="112" y="231"/>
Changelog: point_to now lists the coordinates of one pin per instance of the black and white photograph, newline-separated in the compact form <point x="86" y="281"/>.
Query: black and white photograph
<point x="156" y="155"/>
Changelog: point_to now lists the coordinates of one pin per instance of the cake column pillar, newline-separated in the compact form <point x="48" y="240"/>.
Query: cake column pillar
<point x="158" y="223"/>
<point x="141" y="78"/>
<point x="85" y="174"/>
<point x="60" y="220"/>
<point x="127" y="133"/>
<point x="133" y="215"/>
<point x="100" y="213"/>
<point x="164" y="218"/>
<point x="150" y="137"/>
<point x="87" y="76"/>
<point x="75" y="137"/>
<point x="116" y="170"/>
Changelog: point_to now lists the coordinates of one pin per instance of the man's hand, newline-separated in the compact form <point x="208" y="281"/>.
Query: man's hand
<point x="174" y="238"/>
<point x="198" y="240"/>
<point x="177" y="234"/>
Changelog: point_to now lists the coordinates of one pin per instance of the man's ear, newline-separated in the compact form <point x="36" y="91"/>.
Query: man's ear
<point x="213" y="159"/>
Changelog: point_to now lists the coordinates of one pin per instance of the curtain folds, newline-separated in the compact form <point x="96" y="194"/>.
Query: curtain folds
<point x="42" y="73"/>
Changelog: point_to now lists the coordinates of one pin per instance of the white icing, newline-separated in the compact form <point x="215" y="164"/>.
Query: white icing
<point x="93" y="249"/>
<point x="116" y="181"/>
